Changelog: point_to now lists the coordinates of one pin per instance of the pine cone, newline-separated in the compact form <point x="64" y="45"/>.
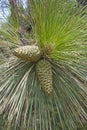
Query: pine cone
<point x="44" y="74"/>
<point x="28" y="52"/>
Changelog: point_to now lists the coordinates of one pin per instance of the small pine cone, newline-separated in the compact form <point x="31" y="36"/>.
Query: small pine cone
<point x="44" y="74"/>
<point x="28" y="52"/>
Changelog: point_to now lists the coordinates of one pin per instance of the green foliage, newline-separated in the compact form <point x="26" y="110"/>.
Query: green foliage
<point x="10" y="33"/>
<point x="3" y="123"/>
<point x="60" y="28"/>
<point x="27" y="106"/>
<point x="16" y="26"/>
<point x="62" y="24"/>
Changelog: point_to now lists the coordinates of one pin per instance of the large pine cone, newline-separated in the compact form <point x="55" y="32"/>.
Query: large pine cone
<point x="29" y="52"/>
<point x="44" y="74"/>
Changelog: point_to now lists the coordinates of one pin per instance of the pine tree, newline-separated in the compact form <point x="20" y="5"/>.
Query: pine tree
<point x="43" y="84"/>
